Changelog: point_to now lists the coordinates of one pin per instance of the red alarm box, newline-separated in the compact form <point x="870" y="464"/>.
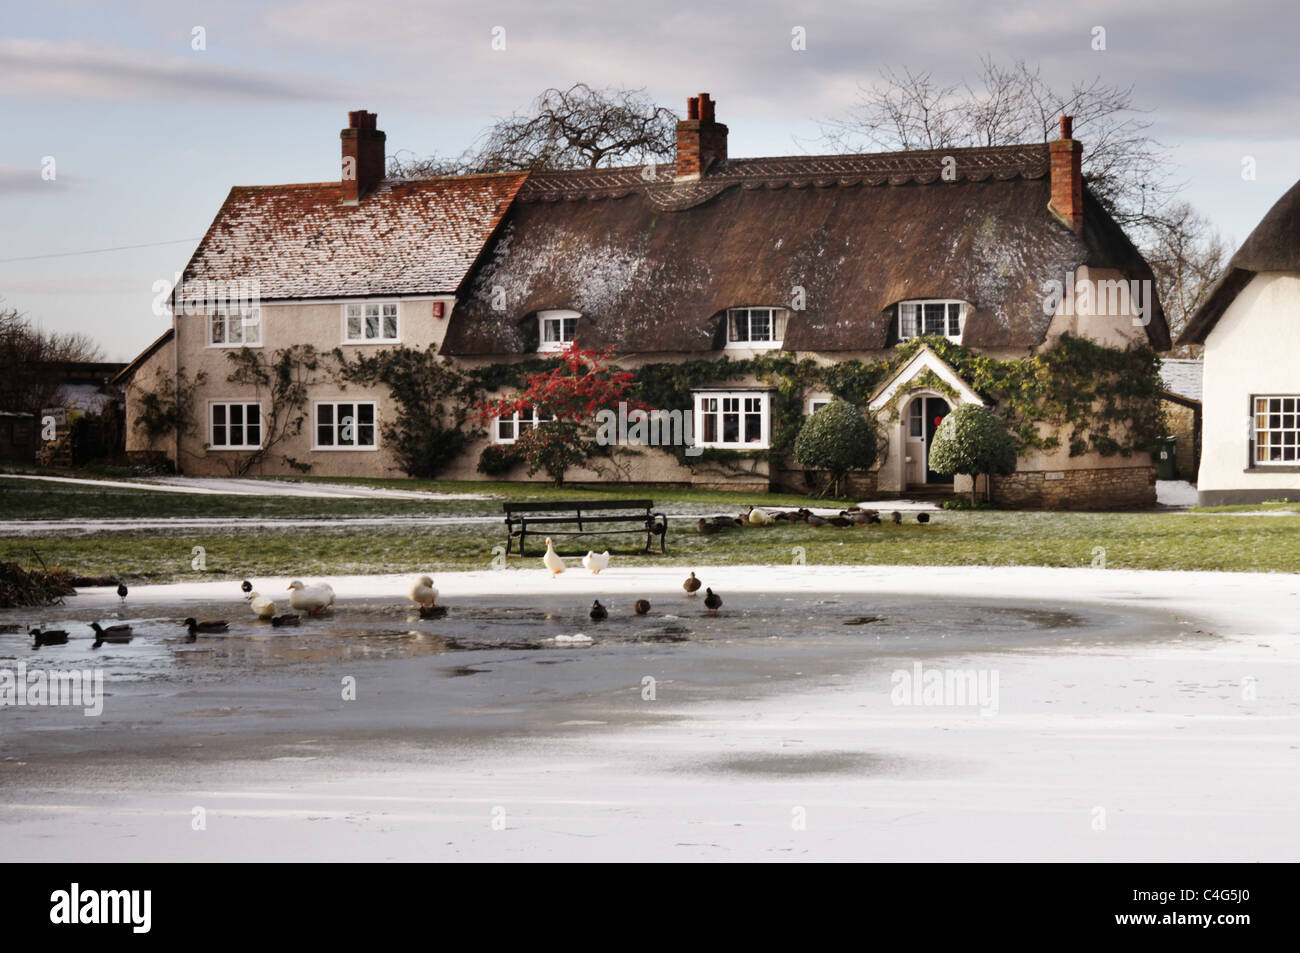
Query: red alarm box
<point x="437" y="309"/>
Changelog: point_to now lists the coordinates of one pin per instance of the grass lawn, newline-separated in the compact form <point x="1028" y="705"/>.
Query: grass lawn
<point x="982" y="537"/>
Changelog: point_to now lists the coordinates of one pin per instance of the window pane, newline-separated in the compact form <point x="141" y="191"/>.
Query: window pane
<point x="908" y="317"/>
<point x="760" y="324"/>
<point x="325" y="425"/>
<point x="253" y="328"/>
<point x="740" y="326"/>
<point x="346" y="426"/>
<point x="253" y="425"/>
<point x="709" y="419"/>
<point x="505" y="429"/>
<point x="365" y="425"/>
<point x="390" y="320"/>
<point x="372" y="321"/>
<point x="730" y="420"/>
<point x="218" y="425"/>
<point x="954" y="320"/>
<point x="551" y="330"/>
<point x="753" y="419"/>
<point x="218" y="325"/>
<point x="934" y="318"/>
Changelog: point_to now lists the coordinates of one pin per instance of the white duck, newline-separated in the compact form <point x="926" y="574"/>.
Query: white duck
<point x="423" y="592"/>
<point x="551" y="559"/>
<point x="262" y="607"/>
<point x="313" y="599"/>
<point x="596" y="561"/>
<point x="759" y="517"/>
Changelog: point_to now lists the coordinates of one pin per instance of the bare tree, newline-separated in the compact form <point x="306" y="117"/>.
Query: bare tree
<point x="1187" y="255"/>
<point x="1126" y="169"/>
<point x="28" y="382"/>
<point x="574" y="128"/>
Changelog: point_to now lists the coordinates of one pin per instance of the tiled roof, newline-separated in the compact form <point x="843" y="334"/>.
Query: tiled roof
<point x="1182" y="377"/>
<point x="404" y="237"/>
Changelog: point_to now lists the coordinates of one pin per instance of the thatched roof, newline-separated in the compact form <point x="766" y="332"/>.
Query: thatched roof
<point x="1274" y="245"/>
<point x="651" y="265"/>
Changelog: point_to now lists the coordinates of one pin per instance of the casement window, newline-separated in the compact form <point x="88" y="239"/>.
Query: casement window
<point x="735" y="419"/>
<point x="370" y="322"/>
<point x="1276" y="430"/>
<point x="345" y="425"/>
<point x="234" y="425"/>
<point x="235" y="329"/>
<point x="756" y="327"/>
<point x="817" y="403"/>
<point x="509" y="429"/>
<point x="925" y="318"/>
<point x="556" y="330"/>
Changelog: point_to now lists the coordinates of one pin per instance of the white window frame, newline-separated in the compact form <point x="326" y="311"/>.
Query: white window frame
<point x="226" y="405"/>
<point x="1261" y="430"/>
<point x="556" y="318"/>
<point x="380" y="307"/>
<point x="516" y="423"/>
<point x="963" y="308"/>
<point x="715" y="402"/>
<point x="252" y="318"/>
<point x="334" y="424"/>
<point x="815" y="404"/>
<point x="776" y="324"/>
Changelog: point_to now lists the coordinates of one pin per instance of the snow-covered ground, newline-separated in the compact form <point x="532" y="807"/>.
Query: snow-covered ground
<point x="1186" y="748"/>
<point x="1175" y="493"/>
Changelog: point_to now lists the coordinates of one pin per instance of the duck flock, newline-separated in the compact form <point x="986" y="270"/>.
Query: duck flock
<point x="318" y="598"/>
<point x="854" y="516"/>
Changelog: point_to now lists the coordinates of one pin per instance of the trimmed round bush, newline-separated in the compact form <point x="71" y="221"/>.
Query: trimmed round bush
<point x="836" y="439"/>
<point x="970" y="441"/>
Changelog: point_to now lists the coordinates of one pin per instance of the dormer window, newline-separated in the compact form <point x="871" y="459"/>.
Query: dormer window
<point x="556" y="330"/>
<point x="935" y="317"/>
<point x="755" y="327"/>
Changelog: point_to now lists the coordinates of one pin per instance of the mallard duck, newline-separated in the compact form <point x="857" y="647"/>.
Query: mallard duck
<point x="214" y="625"/>
<point x="551" y="560"/>
<point x="423" y="592"/>
<point x="432" y="612"/>
<point x="923" y="518"/>
<point x="122" y="591"/>
<point x="840" y="521"/>
<point x="311" y="599"/>
<point x="896" y="517"/>
<point x="598" y="612"/>
<point x="246" y="586"/>
<point x="691" y="585"/>
<point x="642" y="606"/>
<point x="708" y="527"/>
<point x="857" y="517"/>
<point x="814" y="520"/>
<point x="287" y="619"/>
<point x="48" y="637"/>
<point x="596" y="561"/>
<point x="262" y="607"/>
<point x="116" y="634"/>
<point x="712" y="601"/>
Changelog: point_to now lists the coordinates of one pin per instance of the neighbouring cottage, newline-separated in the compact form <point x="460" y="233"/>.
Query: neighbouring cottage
<point x="745" y="292"/>
<point x="1251" y="435"/>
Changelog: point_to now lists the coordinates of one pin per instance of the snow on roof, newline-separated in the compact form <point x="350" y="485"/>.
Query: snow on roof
<point x="1182" y="376"/>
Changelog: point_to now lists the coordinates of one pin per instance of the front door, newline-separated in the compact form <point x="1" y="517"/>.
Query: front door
<point x="923" y="418"/>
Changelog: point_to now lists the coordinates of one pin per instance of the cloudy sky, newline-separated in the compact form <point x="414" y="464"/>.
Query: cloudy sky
<point x="146" y="134"/>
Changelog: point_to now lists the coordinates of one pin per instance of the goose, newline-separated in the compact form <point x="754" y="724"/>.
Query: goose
<point x="923" y="518"/>
<point x="288" y="618"/>
<point x="551" y="560"/>
<point x="691" y="585"/>
<point x="312" y="599"/>
<point x="117" y="634"/>
<point x="246" y="586"/>
<point x="642" y="606"/>
<point x="423" y="592"/>
<point x="712" y="601"/>
<point x="122" y="591"/>
<point x="596" y="561"/>
<point x="48" y="637"/>
<point x="598" y="612"/>
<point x="262" y="607"/>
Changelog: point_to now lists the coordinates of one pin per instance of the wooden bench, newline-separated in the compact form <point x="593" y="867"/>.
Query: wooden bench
<point x="627" y="516"/>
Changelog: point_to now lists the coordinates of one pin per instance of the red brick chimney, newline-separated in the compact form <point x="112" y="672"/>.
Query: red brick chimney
<point x="1067" y="177"/>
<point x="363" y="155"/>
<point x="701" y="141"/>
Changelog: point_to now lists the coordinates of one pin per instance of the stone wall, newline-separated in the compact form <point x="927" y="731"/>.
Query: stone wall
<point x="1097" y="489"/>
<point x="858" y="485"/>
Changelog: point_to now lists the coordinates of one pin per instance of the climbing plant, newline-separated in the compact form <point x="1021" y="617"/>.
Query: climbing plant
<point x="284" y="378"/>
<point x="166" y="409"/>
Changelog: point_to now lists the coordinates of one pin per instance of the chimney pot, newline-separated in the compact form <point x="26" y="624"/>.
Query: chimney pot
<point x="693" y="107"/>
<point x="1067" y="127"/>
<point x="363" y="155"/>
<point x="701" y="140"/>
